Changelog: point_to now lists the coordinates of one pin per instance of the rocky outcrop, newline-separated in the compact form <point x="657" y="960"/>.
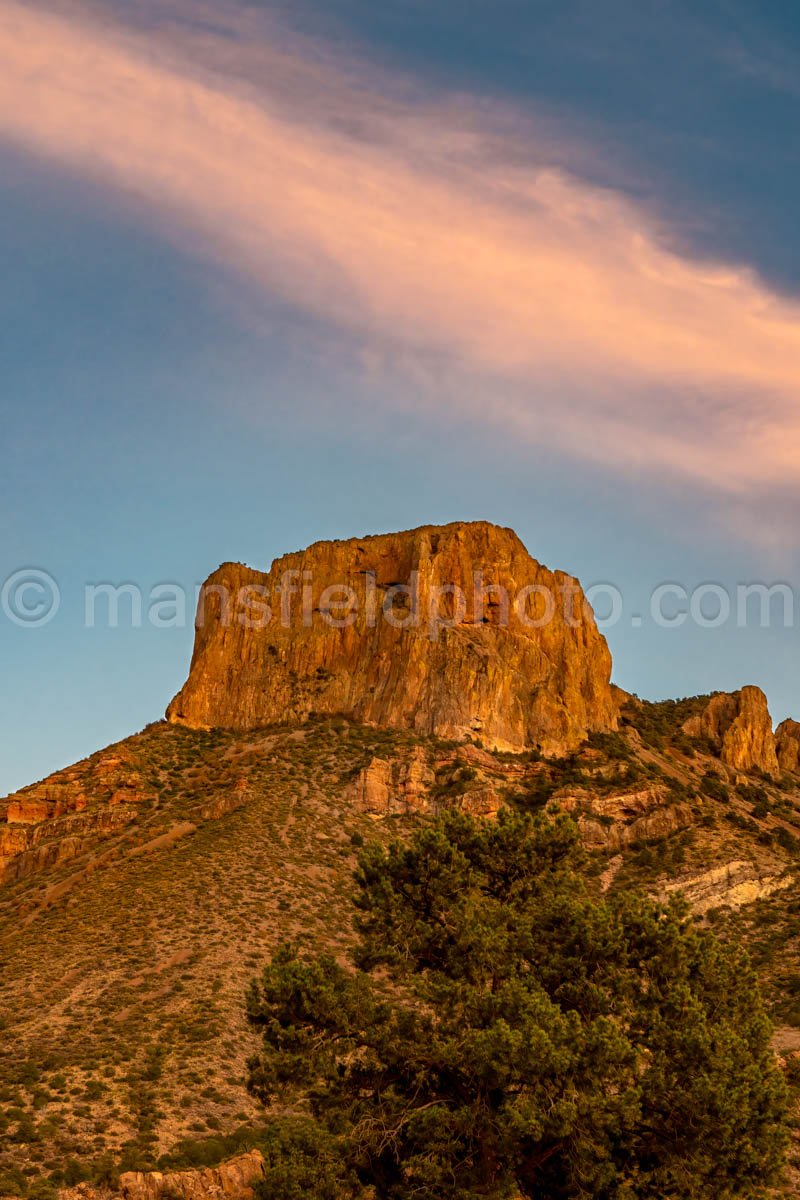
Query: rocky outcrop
<point x="787" y="744"/>
<point x="452" y="631"/>
<point x="27" y="849"/>
<point x="232" y="1180"/>
<point x="615" y="822"/>
<point x="739" y="726"/>
<point x="395" y="785"/>
<point x="734" y="884"/>
<point x="415" y="781"/>
<point x="219" y="807"/>
<point x="57" y="820"/>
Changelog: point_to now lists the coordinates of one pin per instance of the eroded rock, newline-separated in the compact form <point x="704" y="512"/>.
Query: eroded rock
<point x="733" y="884"/>
<point x="521" y="664"/>
<point x="49" y="823"/>
<point x="395" y="785"/>
<point x="232" y="1180"/>
<point x="787" y="741"/>
<point x="739" y="726"/>
<point x="614" y="822"/>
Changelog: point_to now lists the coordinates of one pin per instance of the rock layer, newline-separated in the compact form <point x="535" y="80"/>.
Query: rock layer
<point x="453" y="631"/>
<point x="49" y="823"/>
<point x="417" y="781"/>
<point x="734" y="884"/>
<point x="232" y="1180"/>
<point x="395" y="785"/>
<point x="739" y="726"/>
<point x="623" y="819"/>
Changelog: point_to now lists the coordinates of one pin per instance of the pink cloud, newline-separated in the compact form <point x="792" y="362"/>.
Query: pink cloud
<point x="421" y="235"/>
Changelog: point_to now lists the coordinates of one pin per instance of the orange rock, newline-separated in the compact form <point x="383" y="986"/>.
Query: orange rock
<point x="787" y="739"/>
<point x="397" y="785"/>
<point x="127" y="794"/>
<point x="232" y="1180"/>
<point x="738" y="724"/>
<point x="520" y="665"/>
<point x="622" y="819"/>
<point x="23" y="810"/>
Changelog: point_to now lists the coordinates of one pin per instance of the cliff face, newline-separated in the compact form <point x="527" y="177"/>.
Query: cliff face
<point x="49" y="823"/>
<point x="738" y="724"/>
<point x="787" y="741"/>
<point x="453" y="631"/>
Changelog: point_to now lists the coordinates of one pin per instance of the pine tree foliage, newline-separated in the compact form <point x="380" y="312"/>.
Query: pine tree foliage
<point x="502" y="1032"/>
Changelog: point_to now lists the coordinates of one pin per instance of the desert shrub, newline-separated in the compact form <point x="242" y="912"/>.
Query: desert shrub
<point x="13" y="1182"/>
<point x="208" y="1151"/>
<point x="786" y="840"/>
<point x="534" y="794"/>
<point x="614" y="745"/>
<point x="660" y="724"/>
<point x="303" y="1159"/>
<point x="712" y="786"/>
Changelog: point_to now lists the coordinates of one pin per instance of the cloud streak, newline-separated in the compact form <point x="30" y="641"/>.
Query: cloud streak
<point x="415" y="230"/>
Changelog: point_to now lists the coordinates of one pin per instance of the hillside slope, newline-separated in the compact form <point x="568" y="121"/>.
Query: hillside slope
<point x="157" y="876"/>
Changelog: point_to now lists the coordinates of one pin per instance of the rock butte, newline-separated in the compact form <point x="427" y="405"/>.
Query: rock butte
<point x="496" y="672"/>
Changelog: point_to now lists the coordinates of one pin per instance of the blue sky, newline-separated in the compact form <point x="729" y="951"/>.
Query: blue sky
<point x="275" y="273"/>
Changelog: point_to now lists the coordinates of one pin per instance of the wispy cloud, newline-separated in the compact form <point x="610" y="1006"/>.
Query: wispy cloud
<point x="418" y="229"/>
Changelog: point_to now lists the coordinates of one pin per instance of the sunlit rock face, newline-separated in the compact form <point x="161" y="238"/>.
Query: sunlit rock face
<point x="453" y="631"/>
<point x="739" y="726"/>
<point x="49" y="823"/>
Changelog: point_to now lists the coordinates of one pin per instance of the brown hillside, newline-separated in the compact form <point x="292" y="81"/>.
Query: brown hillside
<point x="124" y="964"/>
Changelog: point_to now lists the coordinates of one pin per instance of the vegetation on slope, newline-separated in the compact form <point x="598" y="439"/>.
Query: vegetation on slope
<point x="122" y="1038"/>
<point x="504" y="1032"/>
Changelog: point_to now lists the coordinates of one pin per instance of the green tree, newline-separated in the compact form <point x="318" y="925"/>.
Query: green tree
<point x="502" y="1031"/>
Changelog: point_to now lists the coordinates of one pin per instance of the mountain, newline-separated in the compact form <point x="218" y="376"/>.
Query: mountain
<point x="141" y="889"/>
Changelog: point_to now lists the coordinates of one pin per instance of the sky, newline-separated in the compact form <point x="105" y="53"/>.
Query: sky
<point x="273" y="272"/>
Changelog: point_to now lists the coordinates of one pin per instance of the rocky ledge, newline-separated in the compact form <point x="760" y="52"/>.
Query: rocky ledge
<point x="232" y="1180"/>
<point x="49" y="823"/>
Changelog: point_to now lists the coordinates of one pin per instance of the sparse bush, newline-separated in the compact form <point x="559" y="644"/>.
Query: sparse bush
<point x="712" y="786"/>
<point x="209" y="1151"/>
<point x="786" y="840"/>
